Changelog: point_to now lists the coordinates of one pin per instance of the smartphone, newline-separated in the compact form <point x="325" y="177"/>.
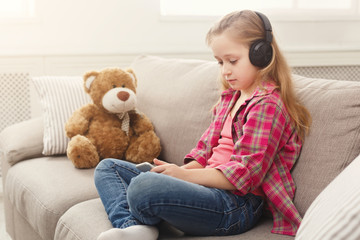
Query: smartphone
<point x="144" y="167"/>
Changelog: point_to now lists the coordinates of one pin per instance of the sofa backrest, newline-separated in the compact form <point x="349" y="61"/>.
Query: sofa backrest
<point x="177" y="96"/>
<point x="334" y="139"/>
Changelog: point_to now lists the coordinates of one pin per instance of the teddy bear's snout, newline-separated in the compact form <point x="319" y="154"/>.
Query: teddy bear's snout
<point x="123" y="96"/>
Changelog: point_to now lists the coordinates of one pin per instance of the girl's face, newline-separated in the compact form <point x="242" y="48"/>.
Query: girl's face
<point x="233" y="58"/>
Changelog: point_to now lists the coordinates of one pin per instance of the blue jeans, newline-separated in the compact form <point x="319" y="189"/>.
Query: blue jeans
<point x="132" y="198"/>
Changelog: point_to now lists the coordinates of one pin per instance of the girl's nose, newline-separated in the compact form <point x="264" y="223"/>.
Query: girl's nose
<point x="225" y="70"/>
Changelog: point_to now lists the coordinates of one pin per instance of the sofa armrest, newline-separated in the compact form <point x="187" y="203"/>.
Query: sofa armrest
<point x="22" y="140"/>
<point x="335" y="213"/>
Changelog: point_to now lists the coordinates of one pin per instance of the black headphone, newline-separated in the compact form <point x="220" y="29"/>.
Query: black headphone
<point x="261" y="52"/>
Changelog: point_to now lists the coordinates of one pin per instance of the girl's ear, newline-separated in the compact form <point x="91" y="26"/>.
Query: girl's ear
<point x="88" y="80"/>
<point x="132" y="75"/>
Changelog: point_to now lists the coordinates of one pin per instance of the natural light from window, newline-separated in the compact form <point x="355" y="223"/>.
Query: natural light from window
<point x="217" y="8"/>
<point x="16" y="8"/>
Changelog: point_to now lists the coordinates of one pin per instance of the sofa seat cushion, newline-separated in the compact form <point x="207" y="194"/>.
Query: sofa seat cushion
<point x="94" y="221"/>
<point x="261" y="231"/>
<point x="42" y="189"/>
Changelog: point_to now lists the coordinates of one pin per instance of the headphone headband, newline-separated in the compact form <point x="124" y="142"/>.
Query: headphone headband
<point x="267" y="26"/>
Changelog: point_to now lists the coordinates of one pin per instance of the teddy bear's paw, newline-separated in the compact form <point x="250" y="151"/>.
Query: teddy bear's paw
<point x="82" y="152"/>
<point x="144" y="149"/>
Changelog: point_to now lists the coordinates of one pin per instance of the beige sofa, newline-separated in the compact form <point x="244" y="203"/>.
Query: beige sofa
<point x="47" y="198"/>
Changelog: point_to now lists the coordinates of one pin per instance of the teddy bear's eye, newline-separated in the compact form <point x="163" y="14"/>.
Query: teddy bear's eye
<point x="123" y="85"/>
<point x="114" y="86"/>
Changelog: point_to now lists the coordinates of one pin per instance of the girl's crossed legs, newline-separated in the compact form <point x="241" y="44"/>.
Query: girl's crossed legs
<point x="133" y="198"/>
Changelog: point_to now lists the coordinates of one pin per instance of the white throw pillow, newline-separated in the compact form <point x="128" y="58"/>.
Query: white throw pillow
<point x="59" y="97"/>
<point x="335" y="213"/>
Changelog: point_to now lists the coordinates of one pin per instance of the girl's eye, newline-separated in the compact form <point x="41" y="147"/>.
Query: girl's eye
<point x="233" y="61"/>
<point x="220" y="63"/>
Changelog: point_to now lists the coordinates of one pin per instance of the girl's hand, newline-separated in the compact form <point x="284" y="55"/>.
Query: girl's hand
<point x="158" y="162"/>
<point x="208" y="177"/>
<point x="169" y="169"/>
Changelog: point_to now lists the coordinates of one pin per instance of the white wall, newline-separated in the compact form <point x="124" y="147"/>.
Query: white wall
<point x="68" y="36"/>
<point x="100" y="27"/>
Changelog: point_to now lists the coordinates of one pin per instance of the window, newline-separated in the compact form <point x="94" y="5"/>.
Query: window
<point x="15" y="9"/>
<point x="288" y="9"/>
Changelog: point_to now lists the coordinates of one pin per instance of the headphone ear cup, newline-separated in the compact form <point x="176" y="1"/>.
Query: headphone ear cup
<point x="260" y="53"/>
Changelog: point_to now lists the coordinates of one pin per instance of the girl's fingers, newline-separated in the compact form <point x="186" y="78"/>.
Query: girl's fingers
<point x="159" y="162"/>
<point x="158" y="166"/>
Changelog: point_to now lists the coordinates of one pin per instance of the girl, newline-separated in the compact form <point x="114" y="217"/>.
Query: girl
<point x="242" y="160"/>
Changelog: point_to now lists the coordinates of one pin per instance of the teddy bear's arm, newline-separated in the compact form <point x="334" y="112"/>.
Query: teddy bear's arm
<point x="140" y="123"/>
<point x="144" y="145"/>
<point x="79" y="122"/>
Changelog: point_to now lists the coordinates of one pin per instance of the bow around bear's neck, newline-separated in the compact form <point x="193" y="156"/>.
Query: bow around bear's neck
<point x="125" y="125"/>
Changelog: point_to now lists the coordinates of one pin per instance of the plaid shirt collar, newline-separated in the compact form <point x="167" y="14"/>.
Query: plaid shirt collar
<point x="265" y="88"/>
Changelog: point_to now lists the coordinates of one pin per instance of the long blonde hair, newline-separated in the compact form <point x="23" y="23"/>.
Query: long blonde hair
<point x="246" y="27"/>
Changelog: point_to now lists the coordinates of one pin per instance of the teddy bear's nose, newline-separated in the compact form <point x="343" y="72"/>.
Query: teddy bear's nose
<point x="123" y="96"/>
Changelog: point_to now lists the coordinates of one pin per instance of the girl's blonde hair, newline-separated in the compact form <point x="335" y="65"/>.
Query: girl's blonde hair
<point x="246" y="27"/>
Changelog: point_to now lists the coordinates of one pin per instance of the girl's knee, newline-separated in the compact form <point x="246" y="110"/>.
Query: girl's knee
<point x="105" y="163"/>
<point x="144" y="187"/>
<point x="108" y="164"/>
<point x="140" y="184"/>
<point x="102" y="169"/>
<point x="143" y="192"/>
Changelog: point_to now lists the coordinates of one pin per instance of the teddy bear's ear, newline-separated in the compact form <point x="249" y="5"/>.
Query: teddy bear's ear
<point x="132" y="75"/>
<point x="88" y="80"/>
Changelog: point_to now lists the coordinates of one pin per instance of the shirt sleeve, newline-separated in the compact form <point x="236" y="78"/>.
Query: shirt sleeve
<point x="202" y="151"/>
<point x="256" y="148"/>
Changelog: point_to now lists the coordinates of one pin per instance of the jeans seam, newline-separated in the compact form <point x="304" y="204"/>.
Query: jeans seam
<point x="146" y="208"/>
<point x="130" y="223"/>
<point x="123" y="167"/>
<point x="115" y="165"/>
<point x="124" y="186"/>
<point x="149" y="208"/>
<point x="243" y="209"/>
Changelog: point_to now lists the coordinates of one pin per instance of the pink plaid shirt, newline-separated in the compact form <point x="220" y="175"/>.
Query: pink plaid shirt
<point x="266" y="147"/>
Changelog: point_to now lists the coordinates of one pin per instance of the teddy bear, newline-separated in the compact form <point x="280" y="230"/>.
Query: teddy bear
<point x="110" y="126"/>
